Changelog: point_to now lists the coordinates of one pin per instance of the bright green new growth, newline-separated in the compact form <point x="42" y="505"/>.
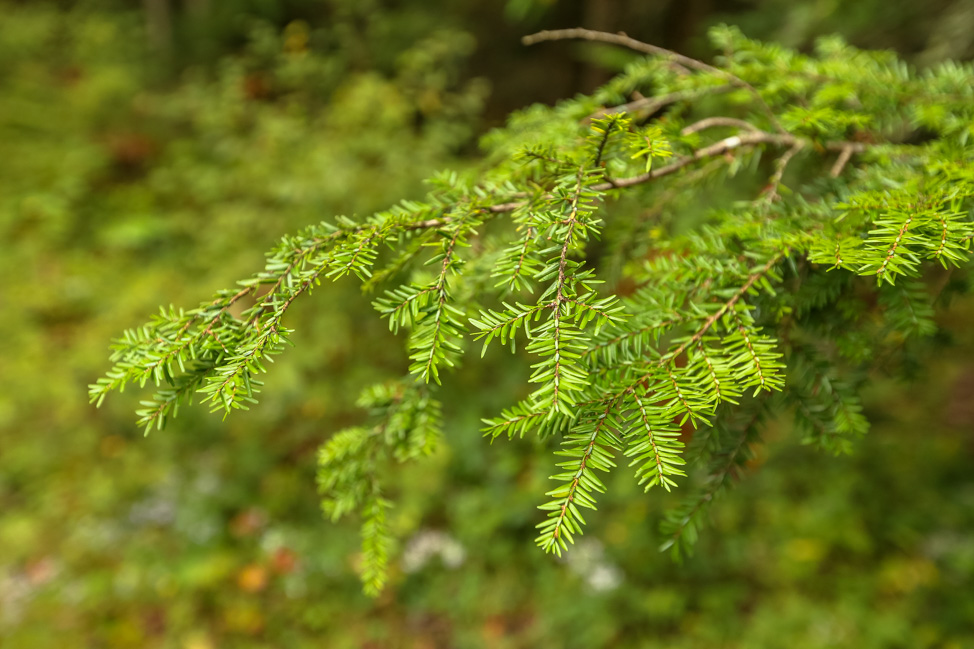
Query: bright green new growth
<point x="716" y="321"/>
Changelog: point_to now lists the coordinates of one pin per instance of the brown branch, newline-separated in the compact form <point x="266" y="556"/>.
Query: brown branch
<point x="719" y="148"/>
<point x="650" y="105"/>
<point x="713" y="122"/>
<point x="844" y="155"/>
<point x="506" y="207"/>
<point x="620" y="39"/>
<point x="780" y="165"/>
<point x="623" y="40"/>
<point x="752" y="137"/>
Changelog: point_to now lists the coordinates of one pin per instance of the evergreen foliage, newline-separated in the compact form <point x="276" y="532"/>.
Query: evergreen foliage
<point x="849" y="184"/>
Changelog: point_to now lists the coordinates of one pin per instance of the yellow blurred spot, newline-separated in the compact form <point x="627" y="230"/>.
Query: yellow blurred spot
<point x="126" y="633"/>
<point x="244" y="619"/>
<point x="296" y="36"/>
<point x="252" y="579"/>
<point x="805" y="550"/>
<point x="908" y="574"/>
<point x="198" y="641"/>
<point x="493" y="629"/>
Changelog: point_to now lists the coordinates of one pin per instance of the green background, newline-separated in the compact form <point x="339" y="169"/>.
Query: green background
<point x="150" y="152"/>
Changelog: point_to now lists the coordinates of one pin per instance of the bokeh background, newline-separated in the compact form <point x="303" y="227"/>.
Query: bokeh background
<point x="151" y="151"/>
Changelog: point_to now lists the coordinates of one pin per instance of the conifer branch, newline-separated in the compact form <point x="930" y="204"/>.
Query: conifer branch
<point x="718" y="388"/>
<point x="512" y="423"/>
<point x="441" y="297"/>
<point x="556" y="304"/>
<point x="520" y="267"/>
<point x="703" y="311"/>
<point x="724" y="308"/>
<point x="657" y="449"/>
<point x="655" y="328"/>
<point x="564" y="518"/>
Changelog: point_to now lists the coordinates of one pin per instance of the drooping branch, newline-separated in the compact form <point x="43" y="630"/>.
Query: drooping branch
<point x="556" y="303"/>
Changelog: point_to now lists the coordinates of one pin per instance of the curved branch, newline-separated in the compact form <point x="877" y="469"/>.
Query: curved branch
<point x="625" y="41"/>
<point x="844" y="155"/>
<point x="650" y="105"/>
<point x="714" y="122"/>
<point x="720" y="147"/>
<point x="780" y="165"/>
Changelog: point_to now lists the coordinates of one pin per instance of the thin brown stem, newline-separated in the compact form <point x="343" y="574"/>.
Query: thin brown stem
<point x="844" y="156"/>
<point x="715" y="122"/>
<point x="780" y="165"/>
<point x="716" y="149"/>
<point x="721" y="147"/>
<point x="649" y="105"/>
<point x="623" y="40"/>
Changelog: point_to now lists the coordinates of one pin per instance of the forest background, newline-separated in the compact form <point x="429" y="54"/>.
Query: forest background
<point x="151" y="151"/>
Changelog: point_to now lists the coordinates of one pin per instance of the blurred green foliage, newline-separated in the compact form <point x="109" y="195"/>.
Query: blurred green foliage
<point x="119" y="189"/>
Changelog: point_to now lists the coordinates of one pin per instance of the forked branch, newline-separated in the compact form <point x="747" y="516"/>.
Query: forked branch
<point x="624" y="40"/>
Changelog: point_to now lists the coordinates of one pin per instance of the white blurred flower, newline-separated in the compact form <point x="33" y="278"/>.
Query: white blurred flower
<point x="426" y="544"/>
<point x="587" y="560"/>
